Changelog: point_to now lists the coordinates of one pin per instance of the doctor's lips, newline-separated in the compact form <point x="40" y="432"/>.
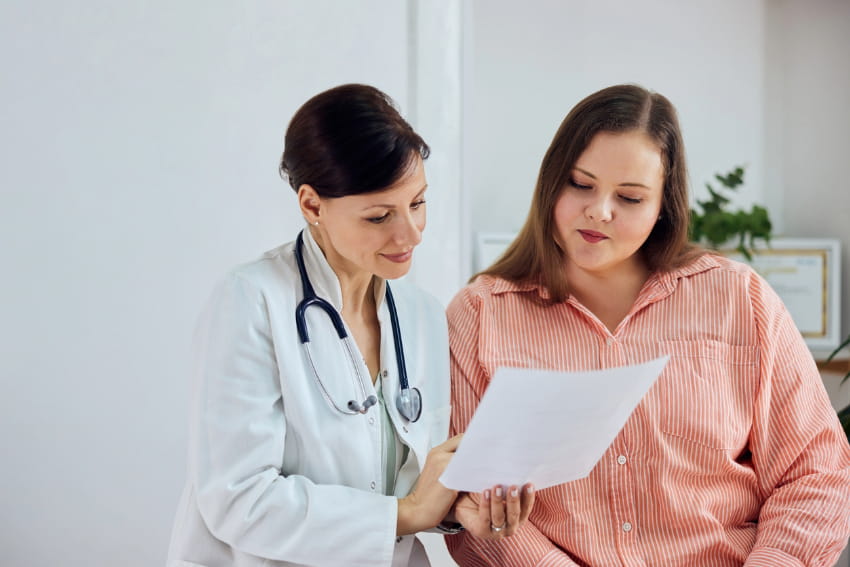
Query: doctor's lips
<point x="399" y="258"/>
<point x="592" y="235"/>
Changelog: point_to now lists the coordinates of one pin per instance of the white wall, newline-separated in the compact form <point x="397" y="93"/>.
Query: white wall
<point x="533" y="61"/>
<point x="808" y="123"/>
<point x="138" y="151"/>
<point x="139" y="143"/>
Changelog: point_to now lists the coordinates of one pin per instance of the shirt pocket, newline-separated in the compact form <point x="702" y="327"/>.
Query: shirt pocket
<point x="706" y="392"/>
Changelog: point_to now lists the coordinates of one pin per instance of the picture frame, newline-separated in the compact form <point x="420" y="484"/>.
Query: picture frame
<point x="806" y="274"/>
<point x="489" y="246"/>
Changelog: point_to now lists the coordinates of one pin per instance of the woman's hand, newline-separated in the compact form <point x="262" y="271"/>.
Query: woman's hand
<point x="429" y="501"/>
<point x="495" y="513"/>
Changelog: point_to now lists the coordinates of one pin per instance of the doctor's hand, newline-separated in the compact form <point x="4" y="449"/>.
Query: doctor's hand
<point x="496" y="513"/>
<point x="429" y="501"/>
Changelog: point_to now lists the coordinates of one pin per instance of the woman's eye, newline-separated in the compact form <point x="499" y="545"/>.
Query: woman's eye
<point x="630" y="200"/>
<point x="378" y="220"/>
<point x="416" y="204"/>
<point x="578" y="185"/>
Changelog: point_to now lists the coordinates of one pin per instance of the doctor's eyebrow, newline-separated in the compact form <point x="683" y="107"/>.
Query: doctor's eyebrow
<point x="388" y="206"/>
<point x="626" y="184"/>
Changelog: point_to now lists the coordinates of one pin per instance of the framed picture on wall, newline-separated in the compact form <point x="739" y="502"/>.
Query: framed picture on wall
<point x="806" y="273"/>
<point x="489" y="246"/>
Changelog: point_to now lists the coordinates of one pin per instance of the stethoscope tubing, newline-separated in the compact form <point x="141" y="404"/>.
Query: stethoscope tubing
<point x="408" y="402"/>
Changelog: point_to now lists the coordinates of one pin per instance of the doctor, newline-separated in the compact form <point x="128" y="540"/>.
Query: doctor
<point x="321" y="391"/>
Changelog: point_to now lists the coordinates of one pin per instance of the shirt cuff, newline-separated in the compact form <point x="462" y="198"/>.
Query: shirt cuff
<point x="448" y="529"/>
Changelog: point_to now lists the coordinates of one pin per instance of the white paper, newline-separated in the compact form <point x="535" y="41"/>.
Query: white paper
<point x="546" y="427"/>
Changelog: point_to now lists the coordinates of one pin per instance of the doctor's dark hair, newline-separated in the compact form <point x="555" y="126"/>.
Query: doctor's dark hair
<point x="349" y="140"/>
<point x="535" y="255"/>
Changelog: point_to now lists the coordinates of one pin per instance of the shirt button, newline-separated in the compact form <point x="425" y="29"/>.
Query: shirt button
<point x="621" y="460"/>
<point x="371" y="420"/>
<point x="610" y="341"/>
<point x="627" y="526"/>
<point x="373" y="485"/>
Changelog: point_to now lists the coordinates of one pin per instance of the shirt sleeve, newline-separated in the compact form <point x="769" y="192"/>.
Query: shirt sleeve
<point x="800" y="453"/>
<point x="237" y="447"/>
<point x="528" y="546"/>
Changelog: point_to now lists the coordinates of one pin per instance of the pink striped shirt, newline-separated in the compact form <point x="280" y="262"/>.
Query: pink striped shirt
<point x="734" y="457"/>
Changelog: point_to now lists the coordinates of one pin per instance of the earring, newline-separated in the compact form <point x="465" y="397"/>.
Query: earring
<point x="316" y="223"/>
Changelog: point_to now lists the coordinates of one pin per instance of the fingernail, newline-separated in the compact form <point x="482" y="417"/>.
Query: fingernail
<point x="529" y="490"/>
<point x="498" y="492"/>
<point x="514" y="492"/>
<point x="487" y="494"/>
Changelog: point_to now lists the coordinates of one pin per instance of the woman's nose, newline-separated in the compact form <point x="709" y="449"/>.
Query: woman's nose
<point x="599" y="210"/>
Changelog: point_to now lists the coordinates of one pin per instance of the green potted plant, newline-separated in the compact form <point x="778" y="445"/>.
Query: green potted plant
<point x="715" y="226"/>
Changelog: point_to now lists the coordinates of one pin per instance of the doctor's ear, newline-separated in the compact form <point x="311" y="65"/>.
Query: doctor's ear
<point x="310" y="203"/>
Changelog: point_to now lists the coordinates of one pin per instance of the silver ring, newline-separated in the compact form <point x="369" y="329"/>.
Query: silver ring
<point x="497" y="529"/>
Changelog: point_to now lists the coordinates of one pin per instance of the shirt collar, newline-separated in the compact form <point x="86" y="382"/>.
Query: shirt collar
<point x="660" y="283"/>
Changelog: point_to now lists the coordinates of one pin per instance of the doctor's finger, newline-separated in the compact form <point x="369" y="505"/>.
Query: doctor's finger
<point x="484" y="511"/>
<point x="450" y="445"/>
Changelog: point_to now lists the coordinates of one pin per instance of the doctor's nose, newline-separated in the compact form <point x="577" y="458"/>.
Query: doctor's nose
<point x="408" y="231"/>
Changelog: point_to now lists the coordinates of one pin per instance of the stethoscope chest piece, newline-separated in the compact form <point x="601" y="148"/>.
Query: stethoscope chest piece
<point x="409" y="404"/>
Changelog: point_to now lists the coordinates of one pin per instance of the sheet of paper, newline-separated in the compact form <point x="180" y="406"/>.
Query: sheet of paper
<point x="546" y="427"/>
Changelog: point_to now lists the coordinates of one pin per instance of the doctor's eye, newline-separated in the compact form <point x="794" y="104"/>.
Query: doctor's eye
<point x="378" y="220"/>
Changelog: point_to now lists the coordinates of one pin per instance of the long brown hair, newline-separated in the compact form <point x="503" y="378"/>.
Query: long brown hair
<point x="535" y="256"/>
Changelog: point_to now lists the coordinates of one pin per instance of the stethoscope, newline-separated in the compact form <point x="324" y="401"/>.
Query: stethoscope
<point x="409" y="400"/>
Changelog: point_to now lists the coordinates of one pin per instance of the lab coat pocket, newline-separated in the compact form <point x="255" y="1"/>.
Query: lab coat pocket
<point x="705" y="393"/>
<point x="437" y="422"/>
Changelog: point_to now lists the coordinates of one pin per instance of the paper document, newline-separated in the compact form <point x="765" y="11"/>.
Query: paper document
<point x="546" y="427"/>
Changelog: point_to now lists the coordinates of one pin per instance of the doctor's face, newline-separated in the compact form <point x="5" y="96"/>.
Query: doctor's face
<point x="374" y="233"/>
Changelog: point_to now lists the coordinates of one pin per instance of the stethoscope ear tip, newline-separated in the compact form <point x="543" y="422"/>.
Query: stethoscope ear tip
<point x="364" y="407"/>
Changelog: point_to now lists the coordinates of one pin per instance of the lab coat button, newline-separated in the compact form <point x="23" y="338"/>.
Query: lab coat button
<point x="373" y="485"/>
<point x="384" y="373"/>
<point x="371" y="420"/>
<point x="621" y="460"/>
<point x="627" y="526"/>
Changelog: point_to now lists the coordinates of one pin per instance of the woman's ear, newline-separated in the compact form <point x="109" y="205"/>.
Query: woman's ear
<point x="310" y="203"/>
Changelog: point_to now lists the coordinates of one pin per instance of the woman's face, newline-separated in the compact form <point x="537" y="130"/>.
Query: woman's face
<point x="608" y="209"/>
<point x="375" y="233"/>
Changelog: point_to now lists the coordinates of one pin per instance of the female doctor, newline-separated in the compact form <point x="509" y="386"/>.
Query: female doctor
<point x="321" y="391"/>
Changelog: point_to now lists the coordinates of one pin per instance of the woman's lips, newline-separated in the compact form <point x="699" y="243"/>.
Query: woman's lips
<point x="399" y="258"/>
<point x="592" y="236"/>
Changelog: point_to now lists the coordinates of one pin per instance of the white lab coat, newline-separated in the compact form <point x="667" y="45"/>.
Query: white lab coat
<point x="275" y="476"/>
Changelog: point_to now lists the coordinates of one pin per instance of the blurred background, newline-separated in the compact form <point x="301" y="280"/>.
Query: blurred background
<point x="139" y="143"/>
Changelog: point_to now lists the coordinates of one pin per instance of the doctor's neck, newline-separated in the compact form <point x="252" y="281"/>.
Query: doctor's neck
<point x="356" y="284"/>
